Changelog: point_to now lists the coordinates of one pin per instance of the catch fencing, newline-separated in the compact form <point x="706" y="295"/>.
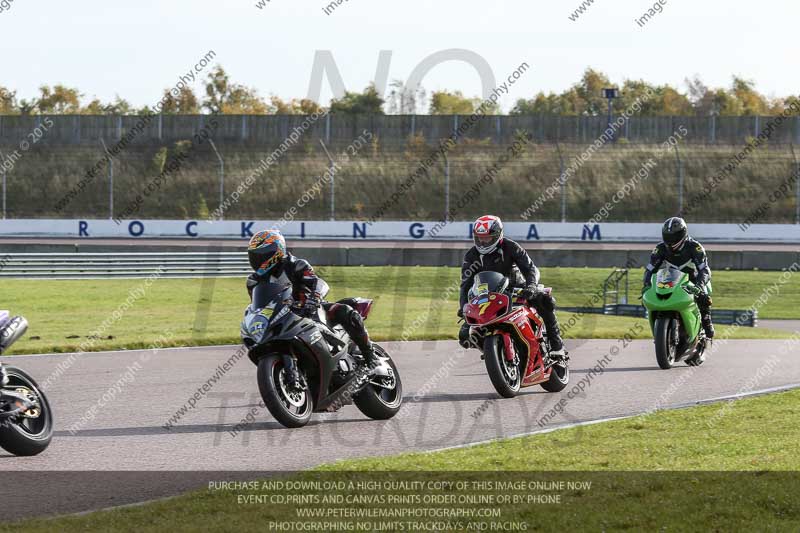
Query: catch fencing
<point x="137" y="183"/>
<point x="390" y="129"/>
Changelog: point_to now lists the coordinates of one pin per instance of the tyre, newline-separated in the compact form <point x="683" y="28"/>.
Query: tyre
<point x="666" y="341"/>
<point x="290" y="408"/>
<point x="506" y="376"/>
<point x="377" y="402"/>
<point x="559" y="378"/>
<point x="27" y="435"/>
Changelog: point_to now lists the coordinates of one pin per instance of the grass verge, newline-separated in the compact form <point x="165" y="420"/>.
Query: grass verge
<point x="644" y="474"/>
<point x="188" y="312"/>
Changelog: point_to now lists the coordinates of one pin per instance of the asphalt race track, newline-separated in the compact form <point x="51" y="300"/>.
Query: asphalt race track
<point x="141" y="390"/>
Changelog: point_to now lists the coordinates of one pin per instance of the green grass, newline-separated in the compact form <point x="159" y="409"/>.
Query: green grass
<point x="712" y="477"/>
<point x="63" y="314"/>
<point x="676" y="440"/>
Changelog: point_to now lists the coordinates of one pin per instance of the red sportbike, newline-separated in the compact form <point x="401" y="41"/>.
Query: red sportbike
<point x="515" y="348"/>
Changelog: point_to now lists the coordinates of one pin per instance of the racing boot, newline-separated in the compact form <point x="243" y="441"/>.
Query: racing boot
<point x="553" y="332"/>
<point x="556" y="346"/>
<point x="708" y="326"/>
<point x="368" y="351"/>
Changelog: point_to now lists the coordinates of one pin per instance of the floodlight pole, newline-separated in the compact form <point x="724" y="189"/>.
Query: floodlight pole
<point x="610" y="94"/>
<point x="4" y="193"/>
<point x="110" y="180"/>
<point x="221" y="179"/>
<point x="332" y="171"/>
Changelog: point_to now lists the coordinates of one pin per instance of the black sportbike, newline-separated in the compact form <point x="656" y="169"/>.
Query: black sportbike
<point x="332" y="370"/>
<point x="26" y="420"/>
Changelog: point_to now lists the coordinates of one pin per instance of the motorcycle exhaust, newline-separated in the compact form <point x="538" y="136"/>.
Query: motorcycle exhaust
<point x="13" y="330"/>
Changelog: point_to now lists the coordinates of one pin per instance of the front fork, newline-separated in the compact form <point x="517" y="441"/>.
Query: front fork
<point x="510" y="351"/>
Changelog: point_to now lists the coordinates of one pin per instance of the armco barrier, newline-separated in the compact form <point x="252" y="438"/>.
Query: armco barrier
<point x="122" y="265"/>
<point x="720" y="316"/>
<point x="408" y="255"/>
<point x="745" y="318"/>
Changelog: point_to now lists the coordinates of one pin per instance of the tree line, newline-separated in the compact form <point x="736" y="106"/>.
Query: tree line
<point x="583" y="98"/>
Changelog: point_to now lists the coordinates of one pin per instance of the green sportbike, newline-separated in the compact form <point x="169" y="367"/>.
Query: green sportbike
<point x="675" y="318"/>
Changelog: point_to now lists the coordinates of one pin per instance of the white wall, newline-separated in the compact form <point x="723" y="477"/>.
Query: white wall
<point x="406" y="230"/>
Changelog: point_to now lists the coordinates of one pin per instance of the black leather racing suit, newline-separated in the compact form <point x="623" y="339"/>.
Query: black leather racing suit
<point x="300" y="275"/>
<point x="511" y="260"/>
<point x="691" y="259"/>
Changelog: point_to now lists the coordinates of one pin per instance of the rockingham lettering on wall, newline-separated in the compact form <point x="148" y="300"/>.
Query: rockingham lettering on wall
<point x="414" y="230"/>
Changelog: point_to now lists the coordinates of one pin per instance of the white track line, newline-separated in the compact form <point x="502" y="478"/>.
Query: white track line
<point x="122" y="352"/>
<point x="737" y="396"/>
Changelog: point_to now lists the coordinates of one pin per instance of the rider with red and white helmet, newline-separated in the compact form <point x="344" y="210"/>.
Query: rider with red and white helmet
<point x="494" y="252"/>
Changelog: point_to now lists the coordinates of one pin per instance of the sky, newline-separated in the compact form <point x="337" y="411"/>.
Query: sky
<point x="137" y="49"/>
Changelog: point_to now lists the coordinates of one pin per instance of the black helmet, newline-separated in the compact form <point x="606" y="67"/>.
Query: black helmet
<point x="675" y="233"/>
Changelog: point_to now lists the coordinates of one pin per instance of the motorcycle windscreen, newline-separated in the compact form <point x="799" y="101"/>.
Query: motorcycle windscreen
<point x="668" y="278"/>
<point x="486" y="282"/>
<point x="270" y="295"/>
<point x="270" y="302"/>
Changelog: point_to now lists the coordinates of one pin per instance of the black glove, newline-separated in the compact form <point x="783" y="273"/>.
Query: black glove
<point x="460" y="312"/>
<point x="529" y="292"/>
<point x="310" y="307"/>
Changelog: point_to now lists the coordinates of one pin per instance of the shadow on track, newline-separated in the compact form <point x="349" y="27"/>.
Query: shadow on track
<point x="198" y="428"/>
<point x="468" y="397"/>
<point x="627" y="369"/>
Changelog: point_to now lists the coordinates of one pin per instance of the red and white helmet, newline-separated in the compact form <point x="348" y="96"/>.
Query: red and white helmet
<point x="487" y="233"/>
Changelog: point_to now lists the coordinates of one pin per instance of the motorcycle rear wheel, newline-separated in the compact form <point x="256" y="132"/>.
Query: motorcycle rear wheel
<point x="377" y="402"/>
<point x="559" y="378"/>
<point x="26" y="436"/>
<point x="293" y="410"/>
<point x="506" y="378"/>
<point x="666" y="348"/>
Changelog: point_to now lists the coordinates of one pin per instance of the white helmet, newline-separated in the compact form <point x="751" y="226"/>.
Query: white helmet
<point x="487" y="233"/>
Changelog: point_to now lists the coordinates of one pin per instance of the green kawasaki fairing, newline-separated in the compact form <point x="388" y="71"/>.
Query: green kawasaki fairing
<point x="668" y="294"/>
<point x="675" y="318"/>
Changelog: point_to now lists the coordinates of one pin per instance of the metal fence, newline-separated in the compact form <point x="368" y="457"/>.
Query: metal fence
<point x="125" y="265"/>
<point x="390" y="129"/>
<point x="32" y="188"/>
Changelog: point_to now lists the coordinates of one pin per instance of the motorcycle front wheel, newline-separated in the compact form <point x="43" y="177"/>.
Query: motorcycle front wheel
<point x="29" y="433"/>
<point x="505" y="375"/>
<point x="666" y="341"/>
<point x="291" y="408"/>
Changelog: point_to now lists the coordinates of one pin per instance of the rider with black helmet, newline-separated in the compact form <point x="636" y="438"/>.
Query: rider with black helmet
<point x="492" y="252"/>
<point x="272" y="263"/>
<point x="679" y="249"/>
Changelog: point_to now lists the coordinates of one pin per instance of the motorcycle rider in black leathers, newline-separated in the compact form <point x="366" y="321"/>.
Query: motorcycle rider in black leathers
<point x="272" y="263"/>
<point x="493" y="252"/>
<point x="688" y="255"/>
